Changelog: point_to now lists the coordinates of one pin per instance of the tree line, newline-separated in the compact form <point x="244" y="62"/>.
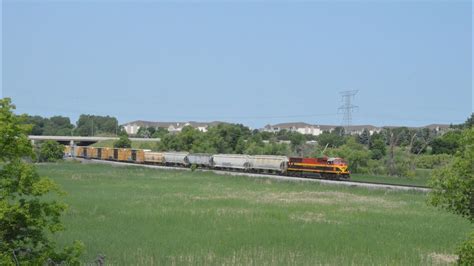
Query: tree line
<point x="86" y="125"/>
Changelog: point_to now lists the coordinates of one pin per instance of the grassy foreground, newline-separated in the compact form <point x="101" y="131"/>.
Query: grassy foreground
<point x="139" y="216"/>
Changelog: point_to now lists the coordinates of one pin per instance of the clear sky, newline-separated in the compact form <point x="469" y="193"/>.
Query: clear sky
<point x="248" y="62"/>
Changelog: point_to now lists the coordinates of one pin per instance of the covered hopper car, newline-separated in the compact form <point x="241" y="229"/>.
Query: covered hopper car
<point x="268" y="163"/>
<point x="231" y="161"/>
<point x="200" y="159"/>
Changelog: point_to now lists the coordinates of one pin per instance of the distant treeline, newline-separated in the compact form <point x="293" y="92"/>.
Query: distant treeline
<point x="87" y="125"/>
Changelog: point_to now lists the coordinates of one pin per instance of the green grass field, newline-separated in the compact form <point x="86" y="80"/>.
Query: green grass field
<point x="416" y="181"/>
<point x="140" y="216"/>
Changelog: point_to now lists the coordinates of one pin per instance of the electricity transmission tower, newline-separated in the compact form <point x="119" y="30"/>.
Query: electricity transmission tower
<point x="346" y="108"/>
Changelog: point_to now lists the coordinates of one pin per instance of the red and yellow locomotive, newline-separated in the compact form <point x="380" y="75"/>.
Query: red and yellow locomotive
<point x="332" y="168"/>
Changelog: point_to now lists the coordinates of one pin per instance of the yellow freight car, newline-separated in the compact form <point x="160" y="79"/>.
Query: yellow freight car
<point x="81" y="151"/>
<point x="67" y="151"/>
<point x="105" y="153"/>
<point x="92" y="152"/>
<point x="138" y="156"/>
<point x="124" y="155"/>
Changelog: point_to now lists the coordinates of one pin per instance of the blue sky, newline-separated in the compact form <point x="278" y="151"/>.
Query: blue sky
<point x="248" y="62"/>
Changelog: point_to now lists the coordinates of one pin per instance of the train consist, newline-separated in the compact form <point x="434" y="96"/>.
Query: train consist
<point x="331" y="168"/>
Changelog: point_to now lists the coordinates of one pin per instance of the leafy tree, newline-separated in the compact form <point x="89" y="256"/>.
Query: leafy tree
<point x="453" y="185"/>
<point x="339" y="131"/>
<point x="51" y="151"/>
<point x="453" y="189"/>
<point x="27" y="217"/>
<point x="58" y="126"/>
<point x="123" y="141"/>
<point x="447" y="143"/>
<point x="37" y="123"/>
<point x="432" y="161"/>
<point x="143" y="133"/>
<point x="378" y="149"/>
<point x="91" y="125"/>
<point x="332" y="139"/>
<point x="160" y="132"/>
<point x="364" y="137"/>
<point x="146" y="132"/>
<point x="54" y="126"/>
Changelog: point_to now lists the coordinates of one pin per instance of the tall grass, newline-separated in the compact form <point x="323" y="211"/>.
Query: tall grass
<point x="140" y="216"/>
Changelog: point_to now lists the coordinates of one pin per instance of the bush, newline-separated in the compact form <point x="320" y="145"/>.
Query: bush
<point x="402" y="164"/>
<point x="376" y="167"/>
<point x="51" y="151"/>
<point x="432" y="161"/>
<point x="466" y="251"/>
<point x="123" y="142"/>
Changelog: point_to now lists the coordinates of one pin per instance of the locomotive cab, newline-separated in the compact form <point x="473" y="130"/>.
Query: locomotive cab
<point x="341" y="164"/>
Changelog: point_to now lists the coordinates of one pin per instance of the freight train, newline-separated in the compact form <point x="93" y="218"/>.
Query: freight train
<point x="331" y="168"/>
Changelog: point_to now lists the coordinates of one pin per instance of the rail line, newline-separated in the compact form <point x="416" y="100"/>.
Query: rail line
<point x="351" y="183"/>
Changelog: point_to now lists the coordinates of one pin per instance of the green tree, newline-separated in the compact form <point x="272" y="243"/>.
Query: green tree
<point x="123" y="141"/>
<point x="332" y="139"/>
<point x="58" y="126"/>
<point x="447" y="143"/>
<point x="364" y="137"/>
<point x="37" y="123"/>
<point x="27" y="217"/>
<point x="54" y="126"/>
<point x="50" y="151"/>
<point x="93" y="125"/>
<point x="378" y="148"/>
<point x="453" y="185"/>
<point x="160" y="132"/>
<point x="453" y="189"/>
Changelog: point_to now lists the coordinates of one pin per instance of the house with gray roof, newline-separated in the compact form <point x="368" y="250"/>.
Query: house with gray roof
<point x="132" y="127"/>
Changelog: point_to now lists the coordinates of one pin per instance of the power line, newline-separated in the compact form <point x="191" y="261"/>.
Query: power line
<point x="347" y="108"/>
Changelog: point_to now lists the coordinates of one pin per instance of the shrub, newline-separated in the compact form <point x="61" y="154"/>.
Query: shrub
<point x="432" y="161"/>
<point x="123" y="142"/>
<point x="51" y="151"/>
<point x="466" y="251"/>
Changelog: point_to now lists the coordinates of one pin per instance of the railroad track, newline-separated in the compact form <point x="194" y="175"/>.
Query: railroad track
<point x="352" y="183"/>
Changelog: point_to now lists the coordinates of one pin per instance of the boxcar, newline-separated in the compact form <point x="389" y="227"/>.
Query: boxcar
<point x="176" y="158"/>
<point x="123" y="154"/>
<point x="67" y="151"/>
<point x="234" y="161"/>
<point x="92" y="152"/>
<point x="269" y="163"/>
<point x="200" y="159"/>
<point x="154" y="157"/>
<point x="138" y="156"/>
<point x="82" y="152"/>
<point x="105" y="153"/>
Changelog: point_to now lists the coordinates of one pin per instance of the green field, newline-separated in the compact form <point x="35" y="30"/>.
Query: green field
<point x="140" y="216"/>
<point x="415" y="181"/>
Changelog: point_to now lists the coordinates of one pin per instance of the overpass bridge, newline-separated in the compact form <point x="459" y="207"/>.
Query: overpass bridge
<point x="82" y="141"/>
